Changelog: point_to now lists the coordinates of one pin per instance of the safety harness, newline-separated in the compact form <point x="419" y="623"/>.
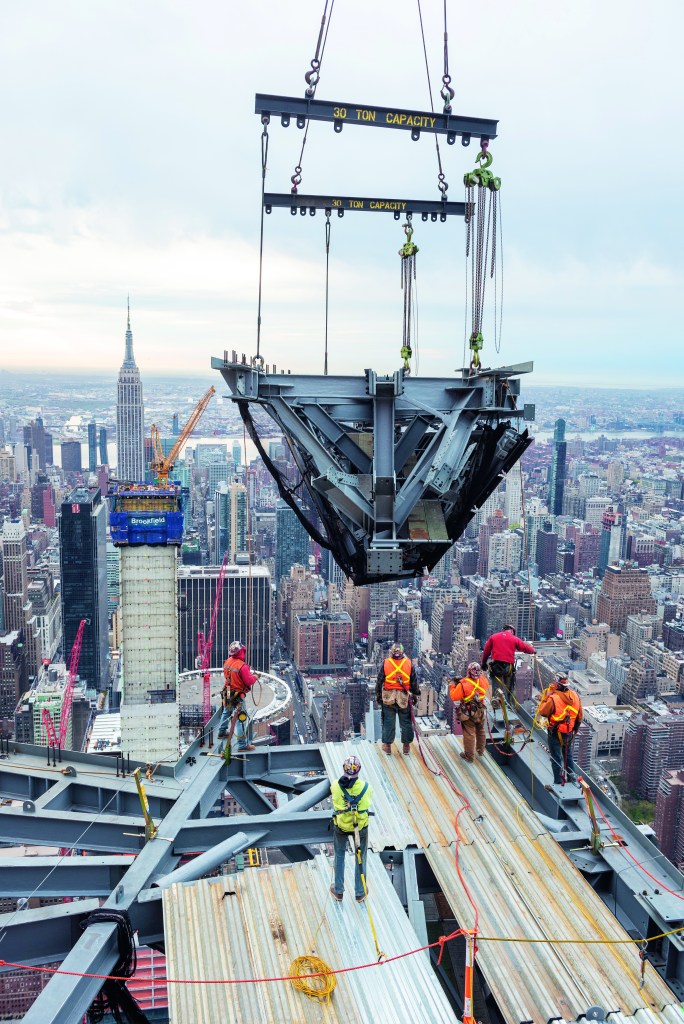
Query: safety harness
<point x="563" y="721"/>
<point x="352" y="804"/>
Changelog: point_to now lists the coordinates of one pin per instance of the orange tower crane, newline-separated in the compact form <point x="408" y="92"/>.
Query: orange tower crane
<point x="163" y="464"/>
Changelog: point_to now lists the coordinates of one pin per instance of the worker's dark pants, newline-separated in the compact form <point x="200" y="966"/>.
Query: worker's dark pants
<point x="340" y="839"/>
<point x="389" y="723"/>
<point x="560" y="748"/>
<point x="502" y="675"/>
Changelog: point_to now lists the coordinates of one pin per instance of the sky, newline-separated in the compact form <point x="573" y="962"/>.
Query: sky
<point x="131" y="163"/>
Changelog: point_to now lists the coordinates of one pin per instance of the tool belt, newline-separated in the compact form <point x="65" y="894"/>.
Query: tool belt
<point x="230" y="698"/>
<point x="473" y="711"/>
<point x="398" y="697"/>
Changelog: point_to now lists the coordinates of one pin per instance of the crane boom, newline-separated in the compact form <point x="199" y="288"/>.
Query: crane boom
<point x="162" y="466"/>
<point x="49" y="726"/>
<point x="71" y="682"/>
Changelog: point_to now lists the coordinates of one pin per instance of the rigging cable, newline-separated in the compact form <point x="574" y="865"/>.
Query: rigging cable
<point x="264" y="157"/>
<point x="327" y="281"/>
<point x="442" y="183"/>
<point x="312" y="79"/>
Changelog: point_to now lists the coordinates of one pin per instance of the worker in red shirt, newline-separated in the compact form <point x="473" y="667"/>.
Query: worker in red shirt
<point x="469" y="696"/>
<point x="563" y="709"/>
<point x="239" y="680"/>
<point x="397" y="685"/>
<point x="501" y="648"/>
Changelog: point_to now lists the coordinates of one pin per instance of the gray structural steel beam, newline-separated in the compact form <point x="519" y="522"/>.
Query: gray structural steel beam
<point x="47" y="933"/>
<point x="68" y="876"/>
<point x="429" y="209"/>
<point x="286" y="830"/>
<point x="413" y="121"/>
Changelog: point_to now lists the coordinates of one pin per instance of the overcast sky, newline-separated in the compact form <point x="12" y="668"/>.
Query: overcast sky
<point x="131" y="162"/>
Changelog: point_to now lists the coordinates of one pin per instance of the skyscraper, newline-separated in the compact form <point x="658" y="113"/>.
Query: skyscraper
<point x="71" y="456"/>
<point x="292" y="542"/>
<point x="83" y="573"/>
<point x="92" y="447"/>
<point x="557" y="473"/>
<point x="104" y="457"/>
<point x="130" y="427"/>
<point x="625" y="591"/>
<point x="15" y="557"/>
<point x="244" y="613"/>
<point x="230" y="521"/>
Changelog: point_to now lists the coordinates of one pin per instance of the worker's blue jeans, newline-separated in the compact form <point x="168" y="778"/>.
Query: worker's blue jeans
<point x="389" y="723"/>
<point x="561" y="755"/>
<point x="340" y="840"/>
<point x="243" y="730"/>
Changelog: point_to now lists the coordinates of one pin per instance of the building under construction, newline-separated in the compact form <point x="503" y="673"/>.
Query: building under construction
<point x="146" y="523"/>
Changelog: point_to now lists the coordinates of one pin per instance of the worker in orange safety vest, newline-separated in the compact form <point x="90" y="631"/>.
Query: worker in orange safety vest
<point x="397" y="685"/>
<point x="469" y="696"/>
<point x="563" y="709"/>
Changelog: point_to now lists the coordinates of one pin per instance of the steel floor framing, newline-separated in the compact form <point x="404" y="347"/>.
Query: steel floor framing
<point x="513" y="856"/>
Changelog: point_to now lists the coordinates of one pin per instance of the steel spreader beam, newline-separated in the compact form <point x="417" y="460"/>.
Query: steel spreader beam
<point x="61" y="876"/>
<point x="432" y="209"/>
<point x="413" y="121"/>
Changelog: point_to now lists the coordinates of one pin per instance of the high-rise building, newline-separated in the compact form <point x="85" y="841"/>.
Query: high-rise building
<point x="244" y="613"/>
<point x="15" y="558"/>
<point x="613" y="542"/>
<point x="130" y="426"/>
<point x="13" y="676"/>
<point x="557" y="473"/>
<point x="505" y="551"/>
<point x="496" y="606"/>
<point x="546" y="550"/>
<point x="292" y="542"/>
<point x="322" y="641"/>
<point x="102" y="442"/>
<point x="625" y="590"/>
<point x="92" y="447"/>
<point x="83" y="574"/>
<point x="34" y="438"/>
<point x="669" y="816"/>
<point x="230" y="518"/>
<point x="71" y="457"/>
<point x="513" y="496"/>
<point x="652" y="745"/>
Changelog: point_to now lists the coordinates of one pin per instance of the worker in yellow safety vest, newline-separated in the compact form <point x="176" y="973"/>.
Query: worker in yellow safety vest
<point x="351" y="800"/>
<point x="397" y="685"/>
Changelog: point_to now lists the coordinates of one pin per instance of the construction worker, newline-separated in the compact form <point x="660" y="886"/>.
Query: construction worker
<point x="563" y="709"/>
<point x="469" y="696"/>
<point x="397" y="685"/>
<point x="501" y="648"/>
<point x="351" y="800"/>
<point x="239" y="680"/>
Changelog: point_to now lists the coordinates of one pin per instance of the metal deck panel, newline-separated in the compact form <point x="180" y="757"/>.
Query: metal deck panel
<point x="525" y="886"/>
<point x="270" y="918"/>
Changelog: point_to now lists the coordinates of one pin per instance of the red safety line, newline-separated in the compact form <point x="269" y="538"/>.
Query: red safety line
<point x="465" y="804"/>
<point x="246" y="981"/>
<point x="632" y="857"/>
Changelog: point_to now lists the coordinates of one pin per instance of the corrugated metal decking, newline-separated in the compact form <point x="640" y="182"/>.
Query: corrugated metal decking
<point x="522" y="882"/>
<point x="269" y="919"/>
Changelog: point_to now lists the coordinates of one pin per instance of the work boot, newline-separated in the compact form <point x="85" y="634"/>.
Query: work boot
<point x="468" y="760"/>
<point x="386" y="748"/>
<point x="336" y="895"/>
<point x="407" y="748"/>
<point x="250" y="746"/>
<point x="361" y="899"/>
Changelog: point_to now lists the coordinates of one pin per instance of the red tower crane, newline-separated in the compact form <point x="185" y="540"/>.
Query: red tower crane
<point x="54" y="739"/>
<point x="205" y="644"/>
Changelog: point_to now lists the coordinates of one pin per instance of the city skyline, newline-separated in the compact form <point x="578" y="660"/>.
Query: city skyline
<point x="93" y="203"/>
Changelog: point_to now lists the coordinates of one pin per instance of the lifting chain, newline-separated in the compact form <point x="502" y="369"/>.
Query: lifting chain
<point x="481" y="217"/>
<point x="408" y="253"/>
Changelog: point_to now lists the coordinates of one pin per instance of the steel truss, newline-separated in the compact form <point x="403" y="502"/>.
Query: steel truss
<point x="395" y="466"/>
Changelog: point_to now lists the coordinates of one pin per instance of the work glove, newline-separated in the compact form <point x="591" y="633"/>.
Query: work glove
<point x="414" y="700"/>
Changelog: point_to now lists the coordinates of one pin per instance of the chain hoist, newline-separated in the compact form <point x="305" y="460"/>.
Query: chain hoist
<point x="482" y="219"/>
<point x="408" y="253"/>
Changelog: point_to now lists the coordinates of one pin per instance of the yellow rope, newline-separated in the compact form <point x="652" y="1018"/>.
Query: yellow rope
<point x="321" y="987"/>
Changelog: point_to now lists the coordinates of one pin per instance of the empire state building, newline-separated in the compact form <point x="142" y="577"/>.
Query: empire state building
<point x="130" y="428"/>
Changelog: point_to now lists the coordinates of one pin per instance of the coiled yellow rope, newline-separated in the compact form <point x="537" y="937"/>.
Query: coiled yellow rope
<point x="321" y="987"/>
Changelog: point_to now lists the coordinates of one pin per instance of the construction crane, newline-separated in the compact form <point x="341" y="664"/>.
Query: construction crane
<point x="59" y="740"/>
<point x="161" y="464"/>
<point x="205" y="644"/>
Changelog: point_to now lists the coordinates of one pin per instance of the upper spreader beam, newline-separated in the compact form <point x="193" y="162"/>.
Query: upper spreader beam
<point x="413" y="121"/>
<point x="434" y="209"/>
